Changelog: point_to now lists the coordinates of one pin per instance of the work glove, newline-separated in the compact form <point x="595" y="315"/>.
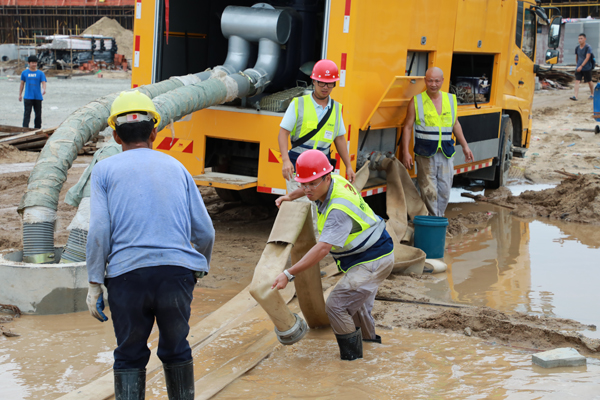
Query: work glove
<point x="95" y="302"/>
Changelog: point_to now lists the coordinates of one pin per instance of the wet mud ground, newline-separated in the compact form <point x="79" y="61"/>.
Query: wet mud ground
<point x="531" y="282"/>
<point x="539" y="267"/>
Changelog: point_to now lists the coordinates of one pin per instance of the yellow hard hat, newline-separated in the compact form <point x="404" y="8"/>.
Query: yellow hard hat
<point x="129" y="103"/>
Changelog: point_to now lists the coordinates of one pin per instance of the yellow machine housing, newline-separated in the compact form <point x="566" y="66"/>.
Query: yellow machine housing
<point x="383" y="48"/>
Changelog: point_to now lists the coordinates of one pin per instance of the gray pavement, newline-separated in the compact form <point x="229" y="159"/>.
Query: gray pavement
<point x="62" y="98"/>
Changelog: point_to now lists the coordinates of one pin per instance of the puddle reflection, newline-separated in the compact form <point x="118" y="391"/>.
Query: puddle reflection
<point x="539" y="267"/>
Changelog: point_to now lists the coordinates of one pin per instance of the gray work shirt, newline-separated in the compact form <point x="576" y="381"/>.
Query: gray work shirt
<point x="338" y="225"/>
<point x="581" y="54"/>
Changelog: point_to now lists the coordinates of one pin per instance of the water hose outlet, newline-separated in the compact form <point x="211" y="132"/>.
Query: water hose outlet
<point x="294" y="334"/>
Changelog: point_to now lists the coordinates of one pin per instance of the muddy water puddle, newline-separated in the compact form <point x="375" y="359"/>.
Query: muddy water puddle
<point x="410" y="365"/>
<point x="539" y="267"/>
<point x="56" y="354"/>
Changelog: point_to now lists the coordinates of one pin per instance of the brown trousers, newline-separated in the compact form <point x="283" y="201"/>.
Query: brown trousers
<point x="349" y="305"/>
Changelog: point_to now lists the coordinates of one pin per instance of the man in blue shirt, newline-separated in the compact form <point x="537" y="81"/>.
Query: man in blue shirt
<point x="146" y="212"/>
<point x="34" y="83"/>
<point x="583" y="58"/>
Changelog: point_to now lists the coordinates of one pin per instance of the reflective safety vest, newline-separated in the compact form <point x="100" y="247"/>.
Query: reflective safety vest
<point x="346" y="198"/>
<point x="307" y="121"/>
<point x="432" y="130"/>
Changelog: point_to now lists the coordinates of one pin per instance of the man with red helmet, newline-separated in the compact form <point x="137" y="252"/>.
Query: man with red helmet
<point x="314" y="121"/>
<point x="356" y="238"/>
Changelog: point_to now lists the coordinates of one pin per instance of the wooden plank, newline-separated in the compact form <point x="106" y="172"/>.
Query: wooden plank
<point x="25" y="135"/>
<point x="226" y="181"/>
<point x="15" y="129"/>
<point x="38" y="144"/>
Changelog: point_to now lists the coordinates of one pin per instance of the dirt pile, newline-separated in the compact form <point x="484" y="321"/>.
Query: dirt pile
<point x="520" y="329"/>
<point x="110" y="27"/>
<point x="10" y="154"/>
<point x="575" y="199"/>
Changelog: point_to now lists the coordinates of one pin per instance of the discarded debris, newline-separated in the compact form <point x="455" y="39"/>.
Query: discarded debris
<point x="8" y="333"/>
<point x="10" y="308"/>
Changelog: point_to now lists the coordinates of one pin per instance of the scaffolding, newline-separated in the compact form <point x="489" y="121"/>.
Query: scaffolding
<point x="26" y="22"/>
<point x="575" y="8"/>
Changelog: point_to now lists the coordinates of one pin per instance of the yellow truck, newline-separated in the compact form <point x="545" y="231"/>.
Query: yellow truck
<point x="486" y="49"/>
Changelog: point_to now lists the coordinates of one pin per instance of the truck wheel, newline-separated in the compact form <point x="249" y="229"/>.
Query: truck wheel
<point x="228" y="195"/>
<point x="504" y="165"/>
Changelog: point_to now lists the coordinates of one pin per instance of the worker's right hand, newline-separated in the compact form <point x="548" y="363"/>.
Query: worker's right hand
<point x="407" y="160"/>
<point x="95" y="301"/>
<point x="20" y="98"/>
<point x="288" y="170"/>
<point x="281" y="199"/>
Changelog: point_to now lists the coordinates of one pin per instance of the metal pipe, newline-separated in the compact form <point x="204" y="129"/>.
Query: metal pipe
<point x="257" y="22"/>
<point x="266" y="65"/>
<point x="238" y="52"/>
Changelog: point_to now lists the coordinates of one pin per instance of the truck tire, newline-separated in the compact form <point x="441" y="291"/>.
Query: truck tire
<point x="228" y="195"/>
<point x="503" y="167"/>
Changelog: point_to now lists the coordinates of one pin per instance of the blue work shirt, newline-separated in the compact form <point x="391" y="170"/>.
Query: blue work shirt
<point x="145" y="211"/>
<point x="33" y="84"/>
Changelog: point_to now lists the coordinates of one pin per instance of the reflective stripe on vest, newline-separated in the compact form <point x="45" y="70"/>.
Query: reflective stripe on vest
<point x="346" y="198"/>
<point x="432" y="130"/>
<point x="307" y="120"/>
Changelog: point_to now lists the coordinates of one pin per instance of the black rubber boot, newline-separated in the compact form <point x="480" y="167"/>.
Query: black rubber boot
<point x="180" y="380"/>
<point x="376" y="340"/>
<point x="130" y="384"/>
<point x="350" y="345"/>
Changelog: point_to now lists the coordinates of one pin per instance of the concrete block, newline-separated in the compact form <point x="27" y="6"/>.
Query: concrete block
<point x="562" y="357"/>
<point x="42" y="288"/>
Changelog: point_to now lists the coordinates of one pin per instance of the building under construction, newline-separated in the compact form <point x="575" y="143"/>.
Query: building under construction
<point x="575" y="8"/>
<point x="22" y="20"/>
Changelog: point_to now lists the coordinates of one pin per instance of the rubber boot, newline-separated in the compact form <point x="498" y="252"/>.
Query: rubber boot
<point x="180" y="380"/>
<point x="350" y="345"/>
<point x="130" y="384"/>
<point x="376" y="340"/>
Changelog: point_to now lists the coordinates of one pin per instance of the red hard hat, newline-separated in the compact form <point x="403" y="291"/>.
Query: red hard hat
<point x="325" y="71"/>
<point x="311" y="165"/>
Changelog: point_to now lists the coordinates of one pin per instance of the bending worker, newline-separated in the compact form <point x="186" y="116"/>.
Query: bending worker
<point x="314" y="121"/>
<point x="358" y="241"/>
<point x="433" y="116"/>
<point x="146" y="212"/>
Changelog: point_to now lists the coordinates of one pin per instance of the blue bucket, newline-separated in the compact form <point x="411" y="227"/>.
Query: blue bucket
<point x="430" y="235"/>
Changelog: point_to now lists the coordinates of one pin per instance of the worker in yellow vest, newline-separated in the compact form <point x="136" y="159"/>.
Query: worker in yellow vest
<point x="432" y="114"/>
<point x="358" y="241"/>
<point x="314" y="121"/>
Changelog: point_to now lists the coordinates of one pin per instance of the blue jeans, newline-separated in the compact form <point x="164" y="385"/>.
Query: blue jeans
<point x="136" y="299"/>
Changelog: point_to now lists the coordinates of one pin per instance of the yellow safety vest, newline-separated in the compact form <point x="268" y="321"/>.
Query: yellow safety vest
<point x="432" y="130"/>
<point x="307" y="121"/>
<point x="346" y="198"/>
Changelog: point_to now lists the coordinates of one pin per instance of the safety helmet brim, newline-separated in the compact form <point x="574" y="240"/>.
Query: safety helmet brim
<point x="132" y="102"/>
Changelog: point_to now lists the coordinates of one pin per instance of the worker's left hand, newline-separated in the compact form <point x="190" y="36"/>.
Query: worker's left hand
<point x="351" y="175"/>
<point x="468" y="154"/>
<point x="280" y="282"/>
<point x="281" y="199"/>
<point x="579" y="69"/>
<point x="43" y="92"/>
<point x="95" y="301"/>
